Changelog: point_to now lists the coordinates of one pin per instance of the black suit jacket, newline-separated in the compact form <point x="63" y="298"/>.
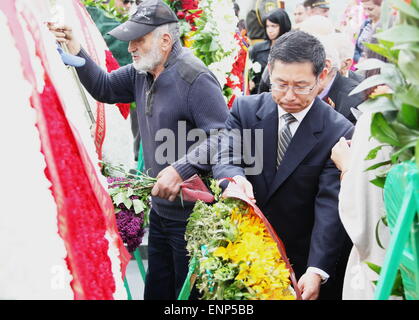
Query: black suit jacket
<point x="300" y="199"/>
<point x="356" y="76"/>
<point x="259" y="53"/>
<point x="339" y="93"/>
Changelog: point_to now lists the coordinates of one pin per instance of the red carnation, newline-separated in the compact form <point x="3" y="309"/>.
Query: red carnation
<point x="180" y="14"/>
<point x="189" y="4"/>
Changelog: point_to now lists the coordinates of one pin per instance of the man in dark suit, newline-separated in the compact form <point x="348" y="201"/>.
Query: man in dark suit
<point x="338" y="95"/>
<point x="335" y="88"/>
<point x="297" y="187"/>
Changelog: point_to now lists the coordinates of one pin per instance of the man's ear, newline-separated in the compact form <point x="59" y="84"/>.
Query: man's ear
<point x="328" y="65"/>
<point x="346" y="65"/>
<point x="324" y="73"/>
<point x="166" y="42"/>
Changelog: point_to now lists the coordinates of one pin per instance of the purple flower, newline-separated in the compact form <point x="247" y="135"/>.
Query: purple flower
<point x="130" y="228"/>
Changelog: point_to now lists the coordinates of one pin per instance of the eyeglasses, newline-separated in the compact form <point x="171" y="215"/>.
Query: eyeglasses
<point x="128" y="1"/>
<point x="296" y="90"/>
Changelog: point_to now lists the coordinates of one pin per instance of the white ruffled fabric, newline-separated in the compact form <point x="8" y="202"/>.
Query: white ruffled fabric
<point x="32" y="264"/>
<point x="361" y="206"/>
<point x="31" y="251"/>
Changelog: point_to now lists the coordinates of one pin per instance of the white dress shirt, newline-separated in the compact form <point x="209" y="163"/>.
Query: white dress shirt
<point x="299" y="116"/>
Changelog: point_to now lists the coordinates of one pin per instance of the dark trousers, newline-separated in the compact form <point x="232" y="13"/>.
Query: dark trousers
<point x="167" y="259"/>
<point x="332" y="289"/>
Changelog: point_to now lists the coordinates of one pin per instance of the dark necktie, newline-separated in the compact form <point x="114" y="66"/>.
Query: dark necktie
<point x="284" y="137"/>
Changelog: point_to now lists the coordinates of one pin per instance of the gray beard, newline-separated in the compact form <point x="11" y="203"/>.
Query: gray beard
<point x="150" y="61"/>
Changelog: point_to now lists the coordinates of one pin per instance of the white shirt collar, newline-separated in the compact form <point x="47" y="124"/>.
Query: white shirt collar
<point x="298" y="115"/>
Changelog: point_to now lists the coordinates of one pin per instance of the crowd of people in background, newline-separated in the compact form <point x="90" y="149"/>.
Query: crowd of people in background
<point x="312" y="16"/>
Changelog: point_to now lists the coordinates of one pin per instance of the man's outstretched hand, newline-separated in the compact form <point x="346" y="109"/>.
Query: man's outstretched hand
<point x="243" y="185"/>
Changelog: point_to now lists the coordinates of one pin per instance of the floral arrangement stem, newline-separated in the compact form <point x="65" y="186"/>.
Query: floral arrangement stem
<point x="140" y="264"/>
<point x="127" y="288"/>
<point x="189" y="281"/>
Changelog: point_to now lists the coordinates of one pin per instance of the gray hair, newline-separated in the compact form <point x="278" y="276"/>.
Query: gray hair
<point x="317" y="26"/>
<point x="170" y="28"/>
<point x="344" y="45"/>
<point x="332" y="53"/>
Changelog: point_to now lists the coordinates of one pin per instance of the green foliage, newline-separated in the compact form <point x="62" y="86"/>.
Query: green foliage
<point x="373" y="153"/>
<point x="208" y="228"/>
<point x="378" y="181"/>
<point x="131" y="191"/>
<point x="382" y="131"/>
<point x="395" y="121"/>
<point x="205" y="46"/>
<point x="398" y="289"/>
<point x="108" y="8"/>
<point x="407" y="9"/>
<point x="385" y="49"/>
<point x="216" y="189"/>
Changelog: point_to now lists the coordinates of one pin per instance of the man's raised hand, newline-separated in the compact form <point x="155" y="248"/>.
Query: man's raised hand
<point x="64" y="35"/>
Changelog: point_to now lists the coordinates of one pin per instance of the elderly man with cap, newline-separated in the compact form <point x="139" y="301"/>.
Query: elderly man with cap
<point x="317" y="7"/>
<point x="175" y="94"/>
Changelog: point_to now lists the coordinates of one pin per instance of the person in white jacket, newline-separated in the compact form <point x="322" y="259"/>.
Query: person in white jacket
<point x="361" y="207"/>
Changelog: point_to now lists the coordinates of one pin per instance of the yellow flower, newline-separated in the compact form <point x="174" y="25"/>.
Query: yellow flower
<point x="187" y="39"/>
<point x="221" y="252"/>
<point x="244" y="271"/>
<point x="255" y="256"/>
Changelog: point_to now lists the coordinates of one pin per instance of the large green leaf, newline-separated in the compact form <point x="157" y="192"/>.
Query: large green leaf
<point x="379" y="104"/>
<point x="377" y="165"/>
<point x="387" y="44"/>
<point x="113" y="191"/>
<point x="409" y="116"/>
<point x="407" y="46"/>
<point x="214" y="45"/>
<point x="404" y="134"/>
<point x="138" y="205"/>
<point x="381" y="130"/>
<point x="396" y="155"/>
<point x="370" y="64"/>
<point x="119" y="198"/>
<point x="379" y="182"/>
<point x="385" y="14"/>
<point x="408" y="63"/>
<point x="129" y="192"/>
<point x="128" y="203"/>
<point x="370" y="82"/>
<point x="381" y="50"/>
<point x="374" y="267"/>
<point x="393" y="75"/>
<point x="206" y="46"/>
<point x="400" y="34"/>
<point x="409" y="95"/>
<point x="405" y="8"/>
<point x="373" y="152"/>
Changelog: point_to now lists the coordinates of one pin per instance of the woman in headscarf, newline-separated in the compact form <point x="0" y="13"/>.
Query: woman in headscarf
<point x="276" y="24"/>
